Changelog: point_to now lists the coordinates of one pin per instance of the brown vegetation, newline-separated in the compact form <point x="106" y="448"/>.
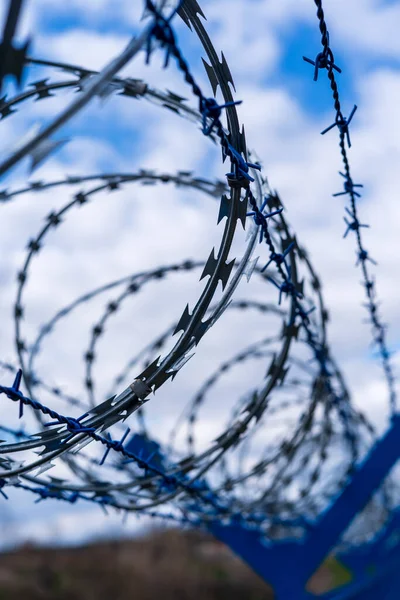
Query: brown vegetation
<point x="168" y="565"/>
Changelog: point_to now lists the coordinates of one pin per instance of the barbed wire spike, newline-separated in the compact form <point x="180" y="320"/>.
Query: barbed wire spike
<point x="213" y="79"/>
<point x="183" y="321"/>
<point x="342" y="124"/>
<point x="349" y="187"/>
<point x="224" y="208"/>
<point x="149" y="370"/>
<point x="226" y="72"/>
<point x="5" y="108"/>
<point x="211" y="110"/>
<point x="209" y="268"/>
<point x="188" y="11"/>
<point x="363" y="256"/>
<point x="42" y="89"/>
<point x="279" y="258"/>
<point x="242" y="211"/>
<point x="115" y="444"/>
<point x="324" y="60"/>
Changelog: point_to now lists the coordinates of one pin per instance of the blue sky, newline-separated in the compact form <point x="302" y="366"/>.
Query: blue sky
<point x="283" y="111"/>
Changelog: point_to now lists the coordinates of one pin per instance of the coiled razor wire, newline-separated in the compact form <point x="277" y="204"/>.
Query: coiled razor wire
<point x="242" y="475"/>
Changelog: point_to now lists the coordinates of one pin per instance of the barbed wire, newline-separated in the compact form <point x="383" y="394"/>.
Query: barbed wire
<point x="325" y="60"/>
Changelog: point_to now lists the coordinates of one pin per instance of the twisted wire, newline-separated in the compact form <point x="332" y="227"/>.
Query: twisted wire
<point x="325" y="60"/>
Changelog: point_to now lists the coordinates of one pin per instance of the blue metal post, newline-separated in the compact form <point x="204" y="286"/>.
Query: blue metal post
<point x="304" y="556"/>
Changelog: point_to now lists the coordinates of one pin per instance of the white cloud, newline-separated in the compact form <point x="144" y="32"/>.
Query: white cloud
<point x="366" y="26"/>
<point x="67" y="47"/>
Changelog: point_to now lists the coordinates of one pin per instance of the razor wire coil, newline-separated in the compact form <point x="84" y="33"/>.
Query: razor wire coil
<point x="153" y="480"/>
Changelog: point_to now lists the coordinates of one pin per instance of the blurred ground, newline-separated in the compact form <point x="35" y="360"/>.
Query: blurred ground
<point x="164" y="565"/>
<point x="168" y="565"/>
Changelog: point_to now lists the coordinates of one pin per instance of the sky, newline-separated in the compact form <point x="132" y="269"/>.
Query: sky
<point x="283" y="111"/>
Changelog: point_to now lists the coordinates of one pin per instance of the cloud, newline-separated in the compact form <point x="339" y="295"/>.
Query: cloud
<point x="67" y="47"/>
<point x="368" y="27"/>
